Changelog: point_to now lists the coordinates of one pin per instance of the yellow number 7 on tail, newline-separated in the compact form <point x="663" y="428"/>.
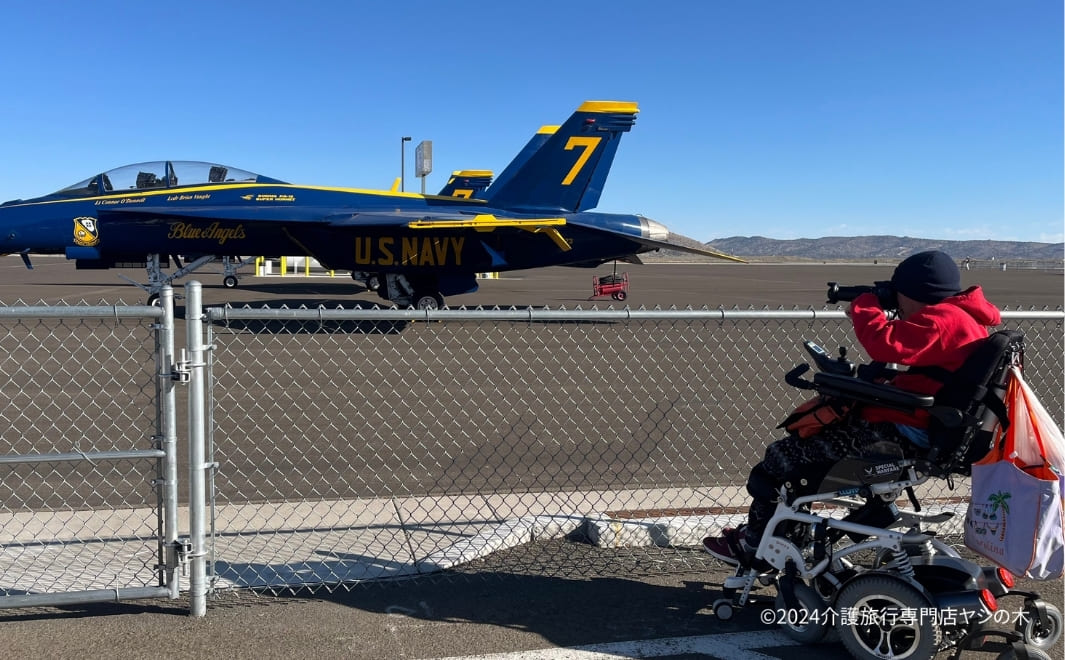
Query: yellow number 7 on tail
<point x="588" y="144"/>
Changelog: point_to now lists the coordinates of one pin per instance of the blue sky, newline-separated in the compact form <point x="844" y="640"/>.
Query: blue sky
<point x="784" y="119"/>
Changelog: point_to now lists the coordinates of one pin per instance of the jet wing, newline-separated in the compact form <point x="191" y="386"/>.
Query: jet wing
<point x="654" y="235"/>
<point x="483" y="222"/>
<point x="690" y="245"/>
<point x="417" y="220"/>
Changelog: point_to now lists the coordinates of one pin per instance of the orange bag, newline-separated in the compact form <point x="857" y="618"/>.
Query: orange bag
<point x="814" y="415"/>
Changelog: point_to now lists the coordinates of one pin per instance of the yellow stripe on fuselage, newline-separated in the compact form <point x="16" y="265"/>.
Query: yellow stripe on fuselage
<point x="484" y="221"/>
<point x="155" y="192"/>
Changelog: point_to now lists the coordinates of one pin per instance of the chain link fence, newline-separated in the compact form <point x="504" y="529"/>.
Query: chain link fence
<point x="356" y="445"/>
<point x="344" y="446"/>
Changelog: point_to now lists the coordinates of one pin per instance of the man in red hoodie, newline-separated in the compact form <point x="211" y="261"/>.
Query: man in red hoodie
<point x="937" y="325"/>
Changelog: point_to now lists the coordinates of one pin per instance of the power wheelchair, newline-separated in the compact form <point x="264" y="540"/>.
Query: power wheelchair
<point x="847" y="562"/>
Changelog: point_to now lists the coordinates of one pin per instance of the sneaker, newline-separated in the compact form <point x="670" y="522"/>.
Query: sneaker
<point x="726" y="547"/>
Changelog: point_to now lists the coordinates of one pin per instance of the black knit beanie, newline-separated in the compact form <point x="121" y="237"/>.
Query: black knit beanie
<point x="927" y="277"/>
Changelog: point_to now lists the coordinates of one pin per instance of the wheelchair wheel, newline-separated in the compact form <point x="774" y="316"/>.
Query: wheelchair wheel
<point x="880" y="617"/>
<point x="810" y="622"/>
<point x="723" y="609"/>
<point x="1044" y="636"/>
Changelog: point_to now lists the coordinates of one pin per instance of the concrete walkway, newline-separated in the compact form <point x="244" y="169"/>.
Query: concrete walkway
<point x="303" y="543"/>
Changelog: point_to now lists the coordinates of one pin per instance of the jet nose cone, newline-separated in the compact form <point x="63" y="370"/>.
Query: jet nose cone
<point x="656" y="231"/>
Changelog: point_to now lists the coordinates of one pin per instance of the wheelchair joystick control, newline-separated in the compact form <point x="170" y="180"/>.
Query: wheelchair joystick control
<point x="825" y="362"/>
<point x="845" y="366"/>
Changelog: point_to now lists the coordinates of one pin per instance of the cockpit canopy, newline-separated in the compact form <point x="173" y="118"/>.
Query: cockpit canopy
<point x="161" y="174"/>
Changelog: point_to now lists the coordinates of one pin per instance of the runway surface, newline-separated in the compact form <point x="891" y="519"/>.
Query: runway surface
<point x="55" y="279"/>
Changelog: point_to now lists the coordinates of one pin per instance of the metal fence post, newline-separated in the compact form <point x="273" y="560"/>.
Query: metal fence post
<point x="168" y="440"/>
<point x="197" y="466"/>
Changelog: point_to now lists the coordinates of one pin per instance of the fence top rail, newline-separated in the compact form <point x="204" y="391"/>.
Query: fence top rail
<point x="81" y="312"/>
<point x="540" y="314"/>
<point x="510" y="314"/>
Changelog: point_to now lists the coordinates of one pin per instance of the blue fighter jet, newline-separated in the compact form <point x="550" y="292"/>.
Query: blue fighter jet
<point x="537" y="213"/>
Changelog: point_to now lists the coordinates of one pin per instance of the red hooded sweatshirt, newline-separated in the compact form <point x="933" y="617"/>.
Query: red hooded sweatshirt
<point x="942" y="335"/>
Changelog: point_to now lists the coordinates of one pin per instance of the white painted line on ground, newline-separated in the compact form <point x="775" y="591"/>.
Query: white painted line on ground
<point x="727" y="645"/>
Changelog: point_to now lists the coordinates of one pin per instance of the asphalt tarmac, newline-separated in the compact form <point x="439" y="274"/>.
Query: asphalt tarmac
<point x="652" y="285"/>
<point x="484" y="607"/>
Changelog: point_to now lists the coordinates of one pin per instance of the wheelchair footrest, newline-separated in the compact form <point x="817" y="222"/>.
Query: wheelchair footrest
<point x="910" y="517"/>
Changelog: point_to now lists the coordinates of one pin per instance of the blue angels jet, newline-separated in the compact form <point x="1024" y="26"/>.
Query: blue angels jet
<point x="537" y="213"/>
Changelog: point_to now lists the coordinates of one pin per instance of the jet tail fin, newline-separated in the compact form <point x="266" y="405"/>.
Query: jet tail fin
<point x="531" y="147"/>
<point x="567" y="172"/>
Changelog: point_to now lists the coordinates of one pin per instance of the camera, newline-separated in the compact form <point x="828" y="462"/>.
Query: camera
<point x="884" y="291"/>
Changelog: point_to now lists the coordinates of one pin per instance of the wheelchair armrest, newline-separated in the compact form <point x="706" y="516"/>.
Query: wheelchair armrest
<point x="874" y="371"/>
<point x="863" y="391"/>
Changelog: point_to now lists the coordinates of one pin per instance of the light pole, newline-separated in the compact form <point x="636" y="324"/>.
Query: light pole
<point x="402" y="162"/>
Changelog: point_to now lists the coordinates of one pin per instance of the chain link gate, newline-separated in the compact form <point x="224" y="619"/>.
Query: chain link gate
<point x="88" y="503"/>
<point x="353" y="445"/>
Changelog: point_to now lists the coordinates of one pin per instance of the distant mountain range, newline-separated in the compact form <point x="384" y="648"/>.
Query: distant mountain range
<point x="834" y="248"/>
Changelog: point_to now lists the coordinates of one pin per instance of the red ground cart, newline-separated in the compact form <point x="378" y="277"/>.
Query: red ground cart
<point x="616" y="286"/>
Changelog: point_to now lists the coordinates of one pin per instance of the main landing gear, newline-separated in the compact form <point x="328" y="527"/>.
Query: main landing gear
<point x="157" y="279"/>
<point x="229" y="271"/>
<point x="417" y="292"/>
<point x="372" y="281"/>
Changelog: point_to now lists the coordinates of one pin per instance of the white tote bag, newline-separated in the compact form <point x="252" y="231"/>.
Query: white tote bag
<point x="1015" y="516"/>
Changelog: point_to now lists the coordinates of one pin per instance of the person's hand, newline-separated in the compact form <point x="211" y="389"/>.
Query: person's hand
<point x="864" y="301"/>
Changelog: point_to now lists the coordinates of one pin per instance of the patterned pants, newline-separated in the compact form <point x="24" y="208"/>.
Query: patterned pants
<point x="804" y="462"/>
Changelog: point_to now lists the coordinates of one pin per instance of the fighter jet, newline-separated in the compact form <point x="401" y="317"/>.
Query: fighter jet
<point x="537" y="213"/>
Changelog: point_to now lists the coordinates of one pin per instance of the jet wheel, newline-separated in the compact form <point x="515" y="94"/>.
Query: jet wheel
<point x="884" y="620"/>
<point x="428" y="301"/>
<point x="229" y="281"/>
<point x="373" y="283"/>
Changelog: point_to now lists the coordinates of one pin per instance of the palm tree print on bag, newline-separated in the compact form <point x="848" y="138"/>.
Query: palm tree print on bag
<point x="999" y="500"/>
